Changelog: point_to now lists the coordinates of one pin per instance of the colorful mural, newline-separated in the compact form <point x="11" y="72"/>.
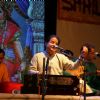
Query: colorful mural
<point x="21" y="33"/>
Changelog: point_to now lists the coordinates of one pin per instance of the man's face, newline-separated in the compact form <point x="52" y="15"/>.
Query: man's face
<point x="1" y="57"/>
<point x="85" y="52"/>
<point x="89" y="55"/>
<point x="50" y="46"/>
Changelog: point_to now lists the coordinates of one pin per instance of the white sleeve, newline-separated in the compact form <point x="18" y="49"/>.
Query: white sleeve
<point x="33" y="63"/>
<point x="69" y="64"/>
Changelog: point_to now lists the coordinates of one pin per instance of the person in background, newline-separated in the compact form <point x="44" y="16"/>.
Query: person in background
<point x="87" y="69"/>
<point x="90" y="67"/>
<point x="4" y="76"/>
<point x="55" y="62"/>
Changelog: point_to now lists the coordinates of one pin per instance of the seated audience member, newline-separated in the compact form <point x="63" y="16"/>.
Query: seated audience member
<point x="4" y="76"/>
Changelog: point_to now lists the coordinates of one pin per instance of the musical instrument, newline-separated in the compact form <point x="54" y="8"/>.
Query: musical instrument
<point x="77" y="72"/>
<point x="62" y="85"/>
<point x="55" y="84"/>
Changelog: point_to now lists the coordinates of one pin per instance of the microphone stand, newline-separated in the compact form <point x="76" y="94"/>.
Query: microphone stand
<point x="44" y="77"/>
<point x="84" y="76"/>
<point x="43" y="80"/>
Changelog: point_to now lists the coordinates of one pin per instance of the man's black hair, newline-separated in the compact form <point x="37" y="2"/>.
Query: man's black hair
<point x="89" y="46"/>
<point x="48" y="39"/>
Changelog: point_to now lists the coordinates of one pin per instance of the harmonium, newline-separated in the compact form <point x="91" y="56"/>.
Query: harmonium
<point x="50" y="84"/>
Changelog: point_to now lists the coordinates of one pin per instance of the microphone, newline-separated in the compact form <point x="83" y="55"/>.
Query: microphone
<point x="57" y="47"/>
<point x="97" y="54"/>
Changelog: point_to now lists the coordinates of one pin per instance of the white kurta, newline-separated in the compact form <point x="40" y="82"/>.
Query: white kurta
<point x="57" y="63"/>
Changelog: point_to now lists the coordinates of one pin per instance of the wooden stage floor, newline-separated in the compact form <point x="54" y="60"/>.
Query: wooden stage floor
<point x="6" y="96"/>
